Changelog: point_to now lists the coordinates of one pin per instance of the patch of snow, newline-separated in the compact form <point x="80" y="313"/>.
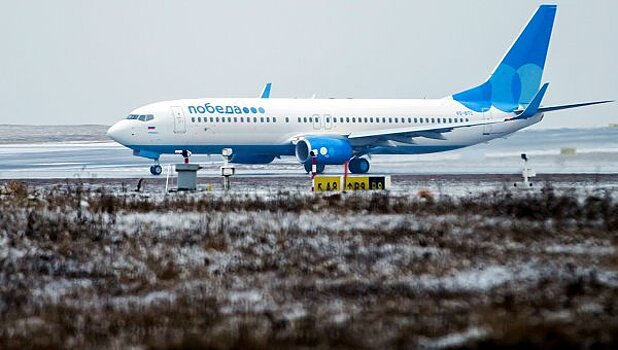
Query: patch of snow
<point x="455" y="339"/>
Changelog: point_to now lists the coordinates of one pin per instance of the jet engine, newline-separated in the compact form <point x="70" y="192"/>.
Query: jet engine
<point x="329" y="150"/>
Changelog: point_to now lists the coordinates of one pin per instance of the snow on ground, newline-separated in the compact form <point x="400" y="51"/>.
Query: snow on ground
<point x="88" y="265"/>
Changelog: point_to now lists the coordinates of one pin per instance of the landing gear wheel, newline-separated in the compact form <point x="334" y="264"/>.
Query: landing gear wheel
<point x="358" y="165"/>
<point x="156" y="170"/>
<point x="319" y="168"/>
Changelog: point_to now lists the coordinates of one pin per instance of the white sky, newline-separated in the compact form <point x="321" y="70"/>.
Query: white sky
<point x="92" y="62"/>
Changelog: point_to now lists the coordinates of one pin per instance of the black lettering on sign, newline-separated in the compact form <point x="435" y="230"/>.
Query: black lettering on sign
<point x="377" y="182"/>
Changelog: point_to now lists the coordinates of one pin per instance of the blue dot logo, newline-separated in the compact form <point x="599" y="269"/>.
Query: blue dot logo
<point x="245" y="109"/>
<point x="253" y="110"/>
<point x="261" y="110"/>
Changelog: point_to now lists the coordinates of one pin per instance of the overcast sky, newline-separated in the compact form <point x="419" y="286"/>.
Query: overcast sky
<point x="92" y="62"/>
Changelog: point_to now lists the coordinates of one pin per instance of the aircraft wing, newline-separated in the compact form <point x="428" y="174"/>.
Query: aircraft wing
<point x="399" y="134"/>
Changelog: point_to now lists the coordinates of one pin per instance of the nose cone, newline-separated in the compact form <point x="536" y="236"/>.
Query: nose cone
<point x="118" y="132"/>
<point x="113" y="132"/>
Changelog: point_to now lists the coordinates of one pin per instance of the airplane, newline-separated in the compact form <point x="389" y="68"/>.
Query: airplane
<point x="336" y="131"/>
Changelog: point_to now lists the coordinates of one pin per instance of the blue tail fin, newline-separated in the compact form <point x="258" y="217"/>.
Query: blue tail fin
<point x="517" y="78"/>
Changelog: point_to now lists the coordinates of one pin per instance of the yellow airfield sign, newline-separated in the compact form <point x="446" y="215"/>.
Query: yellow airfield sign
<point x="328" y="183"/>
<point x="352" y="183"/>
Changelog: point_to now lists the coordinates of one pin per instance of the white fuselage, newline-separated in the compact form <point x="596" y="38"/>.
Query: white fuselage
<point x="271" y="126"/>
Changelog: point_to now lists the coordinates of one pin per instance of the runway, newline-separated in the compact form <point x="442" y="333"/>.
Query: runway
<point x="86" y="152"/>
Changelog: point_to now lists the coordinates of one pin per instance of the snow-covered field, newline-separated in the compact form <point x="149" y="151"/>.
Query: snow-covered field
<point x="87" y="264"/>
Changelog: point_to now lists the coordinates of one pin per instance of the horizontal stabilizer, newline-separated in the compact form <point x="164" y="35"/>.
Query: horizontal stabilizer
<point x="557" y="108"/>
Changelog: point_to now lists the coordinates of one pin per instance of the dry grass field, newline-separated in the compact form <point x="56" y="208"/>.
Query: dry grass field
<point x="83" y="266"/>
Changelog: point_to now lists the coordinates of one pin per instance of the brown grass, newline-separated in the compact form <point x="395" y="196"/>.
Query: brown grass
<point x="84" y="267"/>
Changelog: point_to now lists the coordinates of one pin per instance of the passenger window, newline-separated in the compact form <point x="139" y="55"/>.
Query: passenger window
<point x="255" y="119"/>
<point x="211" y="119"/>
<point x="415" y="120"/>
<point x="433" y="120"/>
<point x="217" y="119"/>
<point x="199" y="119"/>
<point x="242" y="119"/>
<point x="287" y="120"/>
<point x="274" y="119"/>
<point x="390" y="120"/>
<point x="193" y="119"/>
<point x="235" y="120"/>
<point x="347" y="119"/>
<point x="268" y="119"/>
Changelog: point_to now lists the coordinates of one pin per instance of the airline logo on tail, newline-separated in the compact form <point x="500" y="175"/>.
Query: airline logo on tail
<point x="517" y="79"/>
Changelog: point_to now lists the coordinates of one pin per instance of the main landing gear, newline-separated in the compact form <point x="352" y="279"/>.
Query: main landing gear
<point x="319" y="167"/>
<point x="358" y="165"/>
<point x="156" y="170"/>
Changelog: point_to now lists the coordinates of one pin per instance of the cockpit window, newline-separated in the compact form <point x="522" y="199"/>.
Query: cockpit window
<point x="141" y="117"/>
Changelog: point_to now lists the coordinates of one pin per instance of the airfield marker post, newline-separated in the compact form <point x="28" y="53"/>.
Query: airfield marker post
<point x="526" y="172"/>
<point x="314" y="169"/>
<point x="345" y="174"/>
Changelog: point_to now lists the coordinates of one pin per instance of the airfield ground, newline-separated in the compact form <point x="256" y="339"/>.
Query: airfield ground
<point x="474" y="264"/>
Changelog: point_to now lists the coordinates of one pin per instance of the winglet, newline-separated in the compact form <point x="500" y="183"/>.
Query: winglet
<point x="266" y="91"/>
<point x="534" y="105"/>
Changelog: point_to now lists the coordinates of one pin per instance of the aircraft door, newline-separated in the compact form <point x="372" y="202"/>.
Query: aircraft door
<point x="317" y="122"/>
<point x="180" y="123"/>
<point x="487" y="117"/>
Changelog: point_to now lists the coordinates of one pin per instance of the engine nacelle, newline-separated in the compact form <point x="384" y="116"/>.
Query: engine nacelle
<point x="329" y="150"/>
<point x="240" y="158"/>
